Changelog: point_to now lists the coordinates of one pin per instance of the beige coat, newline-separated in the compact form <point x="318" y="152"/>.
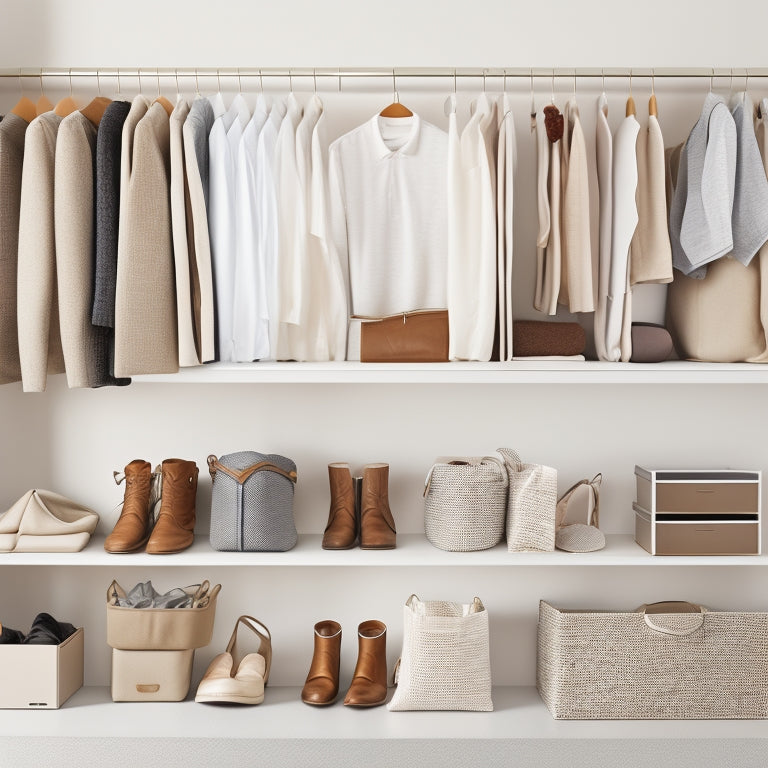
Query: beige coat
<point x="75" y="257"/>
<point x="37" y="311"/>
<point x="12" y="131"/>
<point x="146" y="337"/>
<point x="187" y="284"/>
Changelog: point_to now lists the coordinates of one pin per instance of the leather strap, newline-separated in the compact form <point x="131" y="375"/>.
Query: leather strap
<point x="241" y="475"/>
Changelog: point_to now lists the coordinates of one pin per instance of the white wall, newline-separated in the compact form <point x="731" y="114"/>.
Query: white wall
<point x="71" y="441"/>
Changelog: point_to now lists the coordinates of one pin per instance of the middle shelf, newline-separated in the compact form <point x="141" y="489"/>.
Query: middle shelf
<point x="413" y="550"/>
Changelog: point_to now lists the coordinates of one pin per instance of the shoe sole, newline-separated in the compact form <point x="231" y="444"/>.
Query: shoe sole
<point x="320" y="703"/>
<point x="336" y="549"/>
<point x="139" y="546"/>
<point x="392" y="547"/>
<point x="365" y="706"/>
<point x="225" y="698"/>
<point x="168" y="551"/>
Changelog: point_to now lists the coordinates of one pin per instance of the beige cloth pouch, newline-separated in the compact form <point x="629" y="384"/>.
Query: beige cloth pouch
<point x="162" y="629"/>
<point x="43" y="521"/>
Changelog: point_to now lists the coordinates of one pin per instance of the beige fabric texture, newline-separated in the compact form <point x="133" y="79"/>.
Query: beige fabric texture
<point x="151" y="675"/>
<point x="146" y="337"/>
<point x="650" y="252"/>
<point x="12" y="131"/>
<point x="761" y="129"/>
<point x="75" y="244"/>
<point x="183" y="242"/>
<point x="576" y="285"/>
<point x="40" y="350"/>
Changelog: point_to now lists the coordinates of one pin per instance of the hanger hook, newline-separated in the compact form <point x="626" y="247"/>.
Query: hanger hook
<point x="394" y="87"/>
<point x="70" y="82"/>
<point x="483" y="81"/>
<point x="653" y="82"/>
<point x="261" y="81"/>
<point x="41" y="81"/>
<point x="504" y="82"/>
<point x="21" y="84"/>
<point x="533" y="100"/>
<point x="119" y="93"/>
<point x="157" y="72"/>
<point x="454" y="82"/>
<point x="553" y="86"/>
<point x="711" y="78"/>
<point x="730" y="83"/>
<point x="314" y="77"/>
<point x="290" y="80"/>
<point x="197" y="83"/>
<point x="98" y="82"/>
<point x="178" y="90"/>
<point x="602" y="74"/>
<point x="630" y="83"/>
<point x="574" y="85"/>
<point x="218" y="78"/>
<point x="746" y="80"/>
<point x="239" y="82"/>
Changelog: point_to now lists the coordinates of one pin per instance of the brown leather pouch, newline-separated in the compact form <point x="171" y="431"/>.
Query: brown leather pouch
<point x="411" y="337"/>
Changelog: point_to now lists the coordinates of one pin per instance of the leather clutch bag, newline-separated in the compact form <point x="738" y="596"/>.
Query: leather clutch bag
<point x="410" y="337"/>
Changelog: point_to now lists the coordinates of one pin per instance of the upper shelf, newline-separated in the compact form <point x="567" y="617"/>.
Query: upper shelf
<point x="517" y="372"/>
<point x="413" y="550"/>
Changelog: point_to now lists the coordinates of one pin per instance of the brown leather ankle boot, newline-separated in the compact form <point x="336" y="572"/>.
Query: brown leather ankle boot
<point x="175" y="526"/>
<point x="369" y="683"/>
<point x="377" y="526"/>
<point x="341" y="531"/>
<point x="322" y="685"/>
<point x="135" y="522"/>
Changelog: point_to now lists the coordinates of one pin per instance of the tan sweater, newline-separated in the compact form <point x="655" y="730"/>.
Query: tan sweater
<point x="38" y="312"/>
<point x="75" y="249"/>
<point x="146" y="338"/>
<point x="12" y="131"/>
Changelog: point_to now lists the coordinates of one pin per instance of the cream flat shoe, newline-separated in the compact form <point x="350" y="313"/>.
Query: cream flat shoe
<point x="227" y="680"/>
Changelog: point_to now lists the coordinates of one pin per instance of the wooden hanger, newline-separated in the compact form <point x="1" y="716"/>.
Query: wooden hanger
<point x="43" y="103"/>
<point x="395" y="109"/>
<point x="95" y="110"/>
<point x="25" y="109"/>
<point x="653" y="107"/>
<point x="67" y="105"/>
<point x="167" y="106"/>
<point x="631" y="110"/>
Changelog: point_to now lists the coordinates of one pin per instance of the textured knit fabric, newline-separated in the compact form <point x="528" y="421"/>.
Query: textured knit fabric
<point x="750" y="202"/>
<point x="38" y="310"/>
<point x="604" y="151"/>
<point x="576" y="288"/>
<point x="12" y="131"/>
<point x="146" y="338"/>
<point x="86" y="346"/>
<point x="703" y="203"/>
<point x="650" y="258"/>
<point x="195" y="132"/>
<point x="108" y="149"/>
<point x="187" y="283"/>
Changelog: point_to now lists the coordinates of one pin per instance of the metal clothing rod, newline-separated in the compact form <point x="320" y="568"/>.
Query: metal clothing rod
<point x="400" y="72"/>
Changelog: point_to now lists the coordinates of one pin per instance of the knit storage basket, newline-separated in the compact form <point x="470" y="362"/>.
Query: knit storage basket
<point x="465" y="502"/>
<point x="531" y="505"/>
<point x="646" y="666"/>
<point x="252" y="502"/>
<point x="445" y="664"/>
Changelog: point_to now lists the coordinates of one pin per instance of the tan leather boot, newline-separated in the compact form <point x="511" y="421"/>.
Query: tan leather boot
<point x="341" y="531"/>
<point x="135" y="522"/>
<point x="322" y="685"/>
<point x="174" y="530"/>
<point x="377" y="526"/>
<point x="369" y="683"/>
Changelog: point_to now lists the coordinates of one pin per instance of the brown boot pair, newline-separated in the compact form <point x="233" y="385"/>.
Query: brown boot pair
<point x="175" y="482"/>
<point x="369" y="683"/>
<point x="359" y="507"/>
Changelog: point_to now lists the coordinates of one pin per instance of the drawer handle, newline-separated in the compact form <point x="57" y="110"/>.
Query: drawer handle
<point x="154" y="688"/>
<point x="704" y="490"/>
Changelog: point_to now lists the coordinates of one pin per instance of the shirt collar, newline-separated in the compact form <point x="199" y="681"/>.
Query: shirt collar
<point x="411" y="145"/>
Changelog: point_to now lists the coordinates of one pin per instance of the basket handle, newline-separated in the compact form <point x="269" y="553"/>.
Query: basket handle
<point x="512" y="458"/>
<point x="696" y="612"/>
<point x="241" y="475"/>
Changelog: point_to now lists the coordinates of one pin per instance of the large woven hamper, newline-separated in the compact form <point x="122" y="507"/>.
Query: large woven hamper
<point x="632" y="666"/>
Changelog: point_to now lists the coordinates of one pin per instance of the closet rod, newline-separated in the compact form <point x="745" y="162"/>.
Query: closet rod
<point x="400" y="72"/>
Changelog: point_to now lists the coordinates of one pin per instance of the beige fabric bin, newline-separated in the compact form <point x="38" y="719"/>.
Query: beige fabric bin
<point x="151" y="675"/>
<point x="685" y="663"/>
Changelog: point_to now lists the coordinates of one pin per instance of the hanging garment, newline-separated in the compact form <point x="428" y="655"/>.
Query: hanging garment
<point x="549" y="254"/>
<point x="40" y="350"/>
<point x="185" y="263"/>
<point x="700" y="218"/>
<point x="250" y="331"/>
<point x="388" y="211"/>
<point x="650" y="258"/>
<point x="195" y="133"/>
<point x="12" y="131"/>
<point x="289" y="226"/>
<point x="507" y="165"/>
<point x="146" y="335"/>
<point x="267" y="217"/>
<point x="224" y="145"/>
<point x="576" y="285"/>
<point x="107" y="202"/>
<point x="761" y="129"/>
<point x="749" y="222"/>
<point x="618" y="314"/>
<point x="472" y="250"/>
<point x="86" y="346"/>
<point x="604" y="151"/>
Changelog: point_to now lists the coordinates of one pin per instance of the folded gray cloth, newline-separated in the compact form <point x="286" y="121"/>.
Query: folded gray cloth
<point x="144" y="595"/>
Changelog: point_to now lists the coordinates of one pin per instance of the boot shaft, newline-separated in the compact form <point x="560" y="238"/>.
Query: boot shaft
<point x="372" y="652"/>
<point x="179" y="490"/>
<point x="327" y="651"/>
<point x="377" y="526"/>
<point x="138" y="487"/>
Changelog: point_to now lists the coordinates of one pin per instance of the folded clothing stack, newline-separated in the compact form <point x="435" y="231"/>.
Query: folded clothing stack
<point x="541" y="339"/>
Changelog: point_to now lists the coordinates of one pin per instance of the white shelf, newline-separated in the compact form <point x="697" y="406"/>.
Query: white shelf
<point x="519" y="715"/>
<point x="518" y="372"/>
<point x="413" y="550"/>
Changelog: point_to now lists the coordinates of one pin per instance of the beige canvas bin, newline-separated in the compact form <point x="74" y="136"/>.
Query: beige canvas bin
<point x="162" y="629"/>
<point x="685" y="662"/>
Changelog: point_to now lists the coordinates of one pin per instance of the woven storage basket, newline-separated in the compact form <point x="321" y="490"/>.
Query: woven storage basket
<point x="465" y="502"/>
<point x="636" y="666"/>
<point x="531" y="505"/>
<point x="445" y="664"/>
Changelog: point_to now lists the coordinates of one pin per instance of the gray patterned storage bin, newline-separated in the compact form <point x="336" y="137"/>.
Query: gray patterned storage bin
<point x="252" y="502"/>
